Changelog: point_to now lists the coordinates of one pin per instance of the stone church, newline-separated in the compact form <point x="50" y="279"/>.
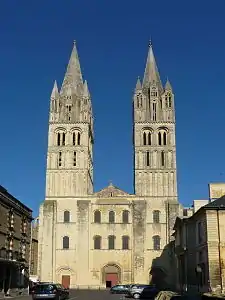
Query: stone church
<point x="97" y="239"/>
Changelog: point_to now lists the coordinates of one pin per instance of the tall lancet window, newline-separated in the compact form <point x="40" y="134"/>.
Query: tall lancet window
<point x="154" y="111"/>
<point x="162" y="158"/>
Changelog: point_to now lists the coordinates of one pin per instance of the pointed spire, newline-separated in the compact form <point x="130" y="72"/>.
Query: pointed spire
<point x="73" y="77"/>
<point x="86" y="92"/>
<point x="168" y="86"/>
<point x="55" y="91"/>
<point x="151" y="71"/>
<point x="138" y="84"/>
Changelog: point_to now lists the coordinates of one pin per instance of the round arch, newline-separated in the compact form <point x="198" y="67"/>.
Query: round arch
<point x="163" y="128"/>
<point x="111" y="271"/>
<point x="146" y="128"/>
<point x="63" y="269"/>
<point x="60" y="129"/>
<point x="66" y="276"/>
<point x="77" y="129"/>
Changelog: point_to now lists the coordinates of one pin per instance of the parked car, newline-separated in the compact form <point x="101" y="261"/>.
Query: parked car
<point x="50" y="291"/>
<point x="120" y="289"/>
<point x="149" y="292"/>
<point x="138" y="291"/>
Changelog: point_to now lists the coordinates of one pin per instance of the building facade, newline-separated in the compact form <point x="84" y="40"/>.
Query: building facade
<point x="97" y="239"/>
<point x="34" y="250"/>
<point x="14" y="242"/>
<point x="199" y="245"/>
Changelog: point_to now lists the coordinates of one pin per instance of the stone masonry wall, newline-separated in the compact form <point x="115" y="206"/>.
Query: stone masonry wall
<point x="139" y="216"/>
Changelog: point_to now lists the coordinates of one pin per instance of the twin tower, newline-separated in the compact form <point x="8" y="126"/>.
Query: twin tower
<point x="71" y="135"/>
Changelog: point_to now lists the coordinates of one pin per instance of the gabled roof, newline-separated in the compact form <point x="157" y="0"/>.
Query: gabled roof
<point x="111" y="191"/>
<point x="216" y="204"/>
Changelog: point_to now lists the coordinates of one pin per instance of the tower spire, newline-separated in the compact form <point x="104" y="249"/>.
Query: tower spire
<point x="151" y="74"/>
<point x="73" y="77"/>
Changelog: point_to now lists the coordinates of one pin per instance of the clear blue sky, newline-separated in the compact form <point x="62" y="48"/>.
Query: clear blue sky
<point x="112" y="37"/>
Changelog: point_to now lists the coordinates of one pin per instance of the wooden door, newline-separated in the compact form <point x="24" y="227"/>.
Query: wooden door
<point x="66" y="281"/>
<point x="113" y="278"/>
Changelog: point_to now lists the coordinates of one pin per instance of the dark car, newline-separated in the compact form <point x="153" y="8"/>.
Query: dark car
<point x="120" y="289"/>
<point x="137" y="291"/>
<point x="50" y="291"/>
<point x="149" y="292"/>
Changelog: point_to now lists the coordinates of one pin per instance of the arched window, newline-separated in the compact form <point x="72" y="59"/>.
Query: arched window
<point x="76" y="138"/>
<point x="125" y="217"/>
<point x="156" y="216"/>
<point x="125" y="242"/>
<point x="111" y="242"/>
<point x="97" y="216"/>
<point x="159" y="139"/>
<point x="61" y="138"/>
<point x="111" y="217"/>
<point x="66" y="216"/>
<point x="156" y="242"/>
<point x="162" y="137"/>
<point x="144" y="139"/>
<point x="58" y="139"/>
<point x="147" y="137"/>
<point x="97" y="242"/>
<point x="66" y="242"/>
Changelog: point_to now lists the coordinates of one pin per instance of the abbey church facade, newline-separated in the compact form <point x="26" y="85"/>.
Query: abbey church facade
<point x="98" y="239"/>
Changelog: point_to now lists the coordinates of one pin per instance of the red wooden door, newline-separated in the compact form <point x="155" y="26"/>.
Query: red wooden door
<point x="113" y="278"/>
<point x="66" y="281"/>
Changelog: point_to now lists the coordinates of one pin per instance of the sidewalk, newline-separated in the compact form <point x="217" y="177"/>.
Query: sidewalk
<point x="15" y="294"/>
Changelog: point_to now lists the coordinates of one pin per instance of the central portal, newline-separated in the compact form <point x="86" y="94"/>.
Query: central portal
<point x="111" y="275"/>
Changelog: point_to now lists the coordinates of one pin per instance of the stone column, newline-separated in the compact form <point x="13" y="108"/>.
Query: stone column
<point x="82" y="244"/>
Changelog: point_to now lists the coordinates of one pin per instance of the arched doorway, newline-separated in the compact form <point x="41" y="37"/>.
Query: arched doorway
<point x="111" y="275"/>
<point x="157" y="276"/>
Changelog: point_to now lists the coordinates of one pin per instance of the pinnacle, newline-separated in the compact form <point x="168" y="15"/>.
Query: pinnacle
<point x="168" y="86"/>
<point x="86" y="92"/>
<point x="138" y="84"/>
<point x="55" y="91"/>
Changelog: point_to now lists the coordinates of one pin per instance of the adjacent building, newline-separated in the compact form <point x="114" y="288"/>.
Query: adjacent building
<point x="34" y="250"/>
<point x="98" y="239"/>
<point x="200" y="244"/>
<point x="15" y="232"/>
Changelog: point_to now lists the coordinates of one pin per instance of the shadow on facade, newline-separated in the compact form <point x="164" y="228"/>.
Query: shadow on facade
<point x="12" y="277"/>
<point x="163" y="270"/>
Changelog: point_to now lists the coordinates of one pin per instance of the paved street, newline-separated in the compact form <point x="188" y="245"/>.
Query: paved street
<point x="82" y="295"/>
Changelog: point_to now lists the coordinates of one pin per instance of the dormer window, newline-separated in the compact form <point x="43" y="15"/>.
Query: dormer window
<point x="154" y="92"/>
